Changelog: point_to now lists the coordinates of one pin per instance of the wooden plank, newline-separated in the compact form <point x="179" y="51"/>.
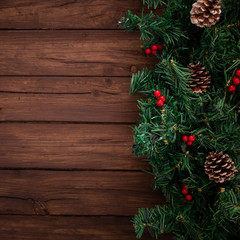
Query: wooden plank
<point x="105" y="107"/>
<point x="60" y="14"/>
<point x="67" y="146"/>
<point x="76" y="193"/>
<point x="82" y="99"/>
<point x="82" y="53"/>
<point x="83" y="85"/>
<point x="70" y="228"/>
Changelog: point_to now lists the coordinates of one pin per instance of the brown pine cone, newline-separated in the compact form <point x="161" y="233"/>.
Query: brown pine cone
<point x="219" y="167"/>
<point x="205" y="13"/>
<point x="200" y="79"/>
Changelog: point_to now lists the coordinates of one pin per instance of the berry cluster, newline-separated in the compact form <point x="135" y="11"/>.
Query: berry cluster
<point x="153" y="50"/>
<point x="188" y="140"/>
<point x="161" y="99"/>
<point x="236" y="81"/>
<point x="188" y="197"/>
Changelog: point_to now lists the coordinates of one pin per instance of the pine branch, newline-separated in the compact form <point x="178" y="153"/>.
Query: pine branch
<point x="211" y="116"/>
<point x="151" y="27"/>
<point x="153" y="3"/>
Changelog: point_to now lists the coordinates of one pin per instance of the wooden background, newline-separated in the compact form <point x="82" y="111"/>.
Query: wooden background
<point x="66" y="167"/>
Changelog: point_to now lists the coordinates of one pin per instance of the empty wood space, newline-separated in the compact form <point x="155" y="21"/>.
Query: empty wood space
<point x="63" y="14"/>
<point x="77" y="99"/>
<point x="66" y="170"/>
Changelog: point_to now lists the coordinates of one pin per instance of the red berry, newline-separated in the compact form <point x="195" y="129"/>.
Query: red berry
<point x="191" y="138"/>
<point x="154" y="47"/>
<point x="148" y="51"/>
<point x="162" y="98"/>
<point x="188" y="197"/>
<point x="160" y="47"/>
<point x="189" y="143"/>
<point x="185" y="138"/>
<point x="184" y="191"/>
<point x="184" y="186"/>
<point x="157" y="93"/>
<point x="238" y="72"/>
<point x="231" y="88"/>
<point x="160" y="103"/>
<point x="236" y="80"/>
<point x="154" y="52"/>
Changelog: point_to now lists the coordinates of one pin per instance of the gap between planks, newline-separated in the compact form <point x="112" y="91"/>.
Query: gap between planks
<point x="71" y="170"/>
<point x="68" y="122"/>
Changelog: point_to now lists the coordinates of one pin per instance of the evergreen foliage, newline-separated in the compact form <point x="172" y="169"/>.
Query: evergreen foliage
<point x="212" y="117"/>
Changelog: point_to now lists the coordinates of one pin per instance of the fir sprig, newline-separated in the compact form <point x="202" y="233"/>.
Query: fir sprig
<point x="151" y="27"/>
<point x="212" y="117"/>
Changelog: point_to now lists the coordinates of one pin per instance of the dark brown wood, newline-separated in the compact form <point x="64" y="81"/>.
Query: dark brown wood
<point x="67" y="171"/>
<point x="60" y="14"/>
<point x="62" y="228"/>
<point x="68" y="228"/>
<point x="104" y="107"/>
<point x="67" y="146"/>
<point x="80" y="99"/>
<point x="117" y="86"/>
<point x="83" y="53"/>
<point x="76" y="193"/>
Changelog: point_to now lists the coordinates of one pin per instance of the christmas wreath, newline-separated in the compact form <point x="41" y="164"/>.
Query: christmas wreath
<point x="189" y="130"/>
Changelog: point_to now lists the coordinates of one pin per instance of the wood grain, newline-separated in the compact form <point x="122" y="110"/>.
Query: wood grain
<point x="81" y="99"/>
<point x="67" y="146"/>
<point x="67" y="171"/>
<point x="62" y="14"/>
<point x="70" y="228"/>
<point x="116" y="86"/>
<point x="71" y="53"/>
<point x="76" y="193"/>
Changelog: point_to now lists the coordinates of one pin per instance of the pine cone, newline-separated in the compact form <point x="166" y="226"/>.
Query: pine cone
<point x="219" y="167"/>
<point x="205" y="13"/>
<point x="200" y="79"/>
